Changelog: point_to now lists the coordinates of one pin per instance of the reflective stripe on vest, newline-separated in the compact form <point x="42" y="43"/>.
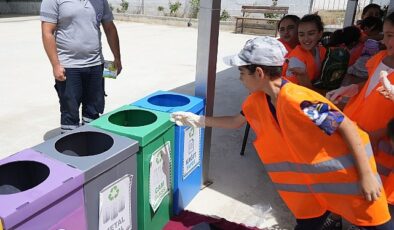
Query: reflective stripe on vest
<point x="384" y="158"/>
<point x="332" y="165"/>
<point x="334" y="188"/>
<point x="310" y="189"/>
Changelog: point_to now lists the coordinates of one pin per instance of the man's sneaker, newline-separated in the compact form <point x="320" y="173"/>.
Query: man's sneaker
<point x="332" y="224"/>
<point x="67" y="128"/>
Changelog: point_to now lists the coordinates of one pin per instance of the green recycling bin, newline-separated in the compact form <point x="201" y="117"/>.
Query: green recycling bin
<point x="155" y="134"/>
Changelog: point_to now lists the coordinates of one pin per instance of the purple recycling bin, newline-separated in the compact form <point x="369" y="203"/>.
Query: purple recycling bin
<point x="39" y="193"/>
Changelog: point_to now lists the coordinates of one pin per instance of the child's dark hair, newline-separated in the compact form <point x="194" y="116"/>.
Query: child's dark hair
<point x="292" y="17"/>
<point x="390" y="129"/>
<point x="351" y="35"/>
<point x="348" y="35"/>
<point x="336" y="38"/>
<point x="314" y="18"/>
<point x="372" y="6"/>
<point x="272" y="71"/>
<point x="374" y="23"/>
<point x="390" y="18"/>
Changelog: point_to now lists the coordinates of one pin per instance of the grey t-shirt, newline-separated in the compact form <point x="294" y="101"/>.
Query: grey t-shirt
<point x="78" y="35"/>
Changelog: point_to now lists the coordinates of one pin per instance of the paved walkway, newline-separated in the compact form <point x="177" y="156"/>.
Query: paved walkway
<point x="155" y="57"/>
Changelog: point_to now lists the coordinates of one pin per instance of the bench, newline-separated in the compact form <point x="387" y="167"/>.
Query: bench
<point x="260" y="12"/>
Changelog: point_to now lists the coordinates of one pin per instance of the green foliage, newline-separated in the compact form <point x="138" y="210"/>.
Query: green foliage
<point x="174" y="7"/>
<point x="125" y="5"/>
<point x="272" y="15"/>
<point x="224" y="16"/>
<point x="160" y="8"/>
<point x="194" y="8"/>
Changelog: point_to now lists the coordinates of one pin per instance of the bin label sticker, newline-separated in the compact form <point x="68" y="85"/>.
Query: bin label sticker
<point x="115" y="205"/>
<point x="159" y="175"/>
<point x="191" y="151"/>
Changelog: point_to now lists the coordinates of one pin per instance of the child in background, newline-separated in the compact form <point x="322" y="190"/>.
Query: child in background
<point x="304" y="61"/>
<point x="371" y="10"/>
<point x="358" y="70"/>
<point x="287" y="28"/>
<point x="350" y="38"/>
<point x="367" y="107"/>
<point x="371" y="28"/>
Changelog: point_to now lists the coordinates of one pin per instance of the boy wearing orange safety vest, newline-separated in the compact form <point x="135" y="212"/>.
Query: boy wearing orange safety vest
<point x="318" y="160"/>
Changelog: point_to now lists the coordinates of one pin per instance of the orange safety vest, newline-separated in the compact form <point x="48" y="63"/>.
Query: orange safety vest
<point x="287" y="45"/>
<point x="355" y="53"/>
<point x="373" y="112"/>
<point x="312" y="171"/>
<point x="385" y="164"/>
<point x="307" y="58"/>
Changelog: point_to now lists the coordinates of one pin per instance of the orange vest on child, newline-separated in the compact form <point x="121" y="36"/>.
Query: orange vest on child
<point x="287" y="45"/>
<point x="312" y="171"/>
<point x="385" y="163"/>
<point x="307" y="58"/>
<point x="355" y="53"/>
<point x="373" y="112"/>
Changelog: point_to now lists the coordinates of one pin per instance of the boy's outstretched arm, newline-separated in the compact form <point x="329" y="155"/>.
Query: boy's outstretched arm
<point x="191" y="119"/>
<point x="370" y="186"/>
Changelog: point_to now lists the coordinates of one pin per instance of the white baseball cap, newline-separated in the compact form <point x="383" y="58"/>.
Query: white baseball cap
<point x="262" y="50"/>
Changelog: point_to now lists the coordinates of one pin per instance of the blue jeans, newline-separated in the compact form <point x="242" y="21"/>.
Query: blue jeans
<point x="82" y="86"/>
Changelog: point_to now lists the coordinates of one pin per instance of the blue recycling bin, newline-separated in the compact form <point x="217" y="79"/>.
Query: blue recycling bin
<point x="188" y="144"/>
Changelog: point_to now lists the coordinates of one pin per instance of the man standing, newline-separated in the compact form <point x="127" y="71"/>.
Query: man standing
<point x="72" y="40"/>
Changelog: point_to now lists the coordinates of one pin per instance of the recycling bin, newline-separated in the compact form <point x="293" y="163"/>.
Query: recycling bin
<point x="37" y="192"/>
<point x="155" y="134"/>
<point x="188" y="144"/>
<point x="108" y="163"/>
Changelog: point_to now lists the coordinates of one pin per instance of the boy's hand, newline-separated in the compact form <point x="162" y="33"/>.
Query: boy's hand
<point x="345" y="91"/>
<point x="370" y="187"/>
<point x="188" y="119"/>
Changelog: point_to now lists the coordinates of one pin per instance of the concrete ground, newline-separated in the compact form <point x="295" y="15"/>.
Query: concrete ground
<point x="155" y="57"/>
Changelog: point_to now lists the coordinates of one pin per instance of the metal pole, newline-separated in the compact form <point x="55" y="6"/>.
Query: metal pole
<point x="310" y="6"/>
<point x="142" y="6"/>
<point x="350" y="12"/>
<point x="207" y="49"/>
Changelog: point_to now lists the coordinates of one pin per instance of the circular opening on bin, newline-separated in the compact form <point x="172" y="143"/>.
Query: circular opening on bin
<point x="84" y="144"/>
<point x="133" y="118"/>
<point x="169" y="100"/>
<point x="20" y="176"/>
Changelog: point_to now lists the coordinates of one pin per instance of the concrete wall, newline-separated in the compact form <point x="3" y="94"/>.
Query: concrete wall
<point x="20" y="7"/>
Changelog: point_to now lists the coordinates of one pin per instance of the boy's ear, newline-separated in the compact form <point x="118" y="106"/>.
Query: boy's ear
<point x="260" y="71"/>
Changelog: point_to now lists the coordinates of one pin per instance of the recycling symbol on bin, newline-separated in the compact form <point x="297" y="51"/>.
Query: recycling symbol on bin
<point x="113" y="193"/>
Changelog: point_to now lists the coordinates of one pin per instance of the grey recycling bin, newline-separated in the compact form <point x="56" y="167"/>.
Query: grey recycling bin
<point x="108" y="162"/>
